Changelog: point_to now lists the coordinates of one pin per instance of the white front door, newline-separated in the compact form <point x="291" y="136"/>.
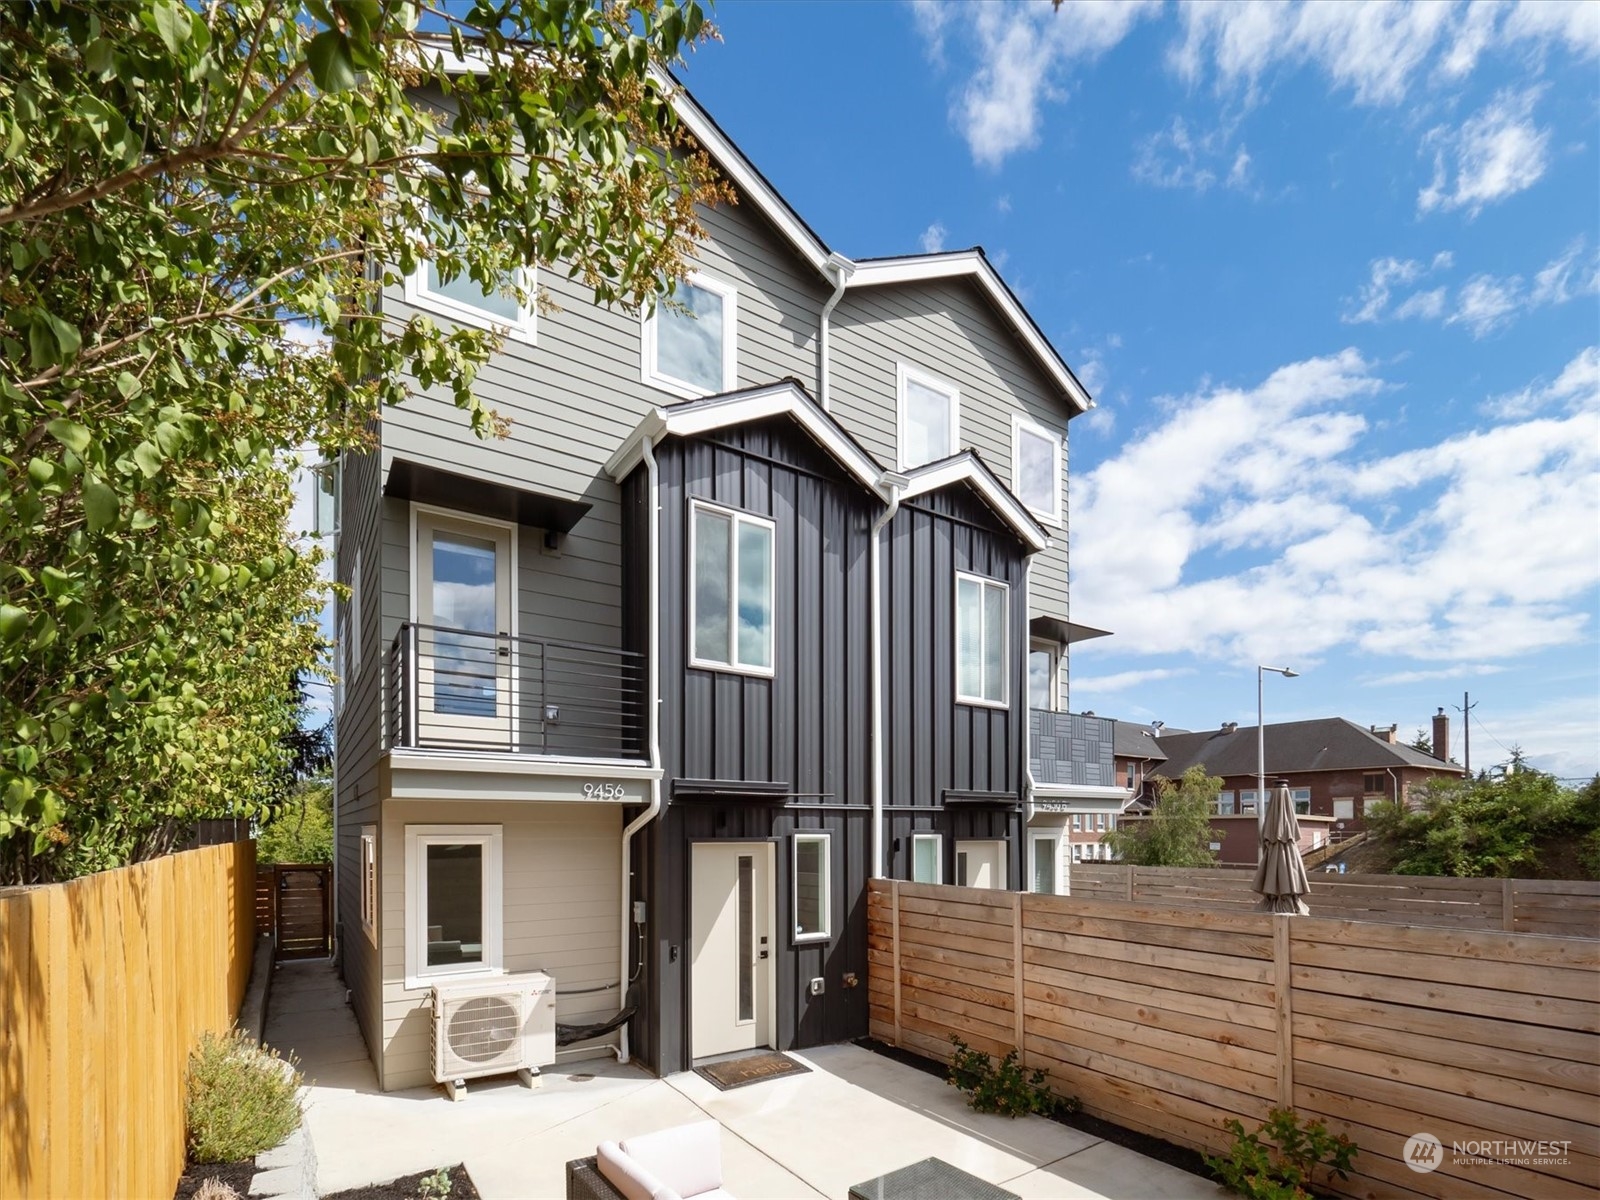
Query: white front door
<point x="981" y="865"/>
<point x="732" y="947"/>
<point x="465" y="685"/>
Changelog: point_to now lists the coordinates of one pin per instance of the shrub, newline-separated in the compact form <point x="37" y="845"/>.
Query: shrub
<point x="1007" y="1088"/>
<point x="1284" y="1169"/>
<point x="242" y="1098"/>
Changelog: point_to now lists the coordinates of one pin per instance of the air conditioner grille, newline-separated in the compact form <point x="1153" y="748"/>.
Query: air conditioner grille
<point x="483" y="1029"/>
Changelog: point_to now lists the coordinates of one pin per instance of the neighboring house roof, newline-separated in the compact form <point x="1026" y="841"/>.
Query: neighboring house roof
<point x="786" y="398"/>
<point x="1324" y="744"/>
<point x="968" y="468"/>
<point x="1133" y="740"/>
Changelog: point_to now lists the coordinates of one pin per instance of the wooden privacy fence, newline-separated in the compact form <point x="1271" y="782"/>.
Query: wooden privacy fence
<point x="1564" y="908"/>
<point x="1171" y="1020"/>
<point x="106" y="984"/>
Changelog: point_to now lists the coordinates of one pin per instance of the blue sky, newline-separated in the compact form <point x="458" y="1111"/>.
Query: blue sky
<point x="1331" y="273"/>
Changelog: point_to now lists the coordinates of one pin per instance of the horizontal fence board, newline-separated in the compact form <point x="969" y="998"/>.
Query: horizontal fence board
<point x="1171" y="1054"/>
<point x="1201" y="962"/>
<point x="1047" y="1052"/>
<point x="1191" y="982"/>
<point x="1533" y="979"/>
<point x="1183" y="937"/>
<point x="1254" y="1016"/>
<point x="1047" y="997"/>
<point x="1475" y="1001"/>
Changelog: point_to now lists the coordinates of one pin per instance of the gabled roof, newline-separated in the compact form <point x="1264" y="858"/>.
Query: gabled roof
<point x="786" y="398"/>
<point x="1324" y="744"/>
<point x="1130" y="739"/>
<point x="972" y="264"/>
<point x="969" y="469"/>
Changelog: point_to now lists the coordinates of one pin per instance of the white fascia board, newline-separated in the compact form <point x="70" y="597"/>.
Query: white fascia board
<point x="747" y="181"/>
<point x="1086" y="799"/>
<point x="969" y="263"/>
<point x="780" y="400"/>
<point x="964" y="469"/>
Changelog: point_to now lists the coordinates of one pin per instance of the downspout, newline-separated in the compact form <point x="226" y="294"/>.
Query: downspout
<point x="653" y="587"/>
<point x="842" y="268"/>
<point x="893" y="483"/>
<point x="1028" y="781"/>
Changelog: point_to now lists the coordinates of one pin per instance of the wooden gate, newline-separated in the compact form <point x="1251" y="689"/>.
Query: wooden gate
<point x="295" y="902"/>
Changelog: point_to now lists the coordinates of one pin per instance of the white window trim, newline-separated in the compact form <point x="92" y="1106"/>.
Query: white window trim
<point x="732" y="666"/>
<point x="523" y="329"/>
<point x="1020" y="425"/>
<point x="368" y="859"/>
<point x="938" y="858"/>
<point x="1053" y="841"/>
<point x="826" y="931"/>
<point x="1005" y="643"/>
<point x="730" y="342"/>
<point x="904" y="372"/>
<point x="418" y="838"/>
<point x="1053" y="649"/>
<point x="1077" y="822"/>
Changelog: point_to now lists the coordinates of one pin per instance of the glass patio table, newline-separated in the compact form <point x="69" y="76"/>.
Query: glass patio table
<point x="930" y="1179"/>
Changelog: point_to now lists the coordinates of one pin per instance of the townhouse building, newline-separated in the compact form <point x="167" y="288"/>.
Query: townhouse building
<point x="759" y="598"/>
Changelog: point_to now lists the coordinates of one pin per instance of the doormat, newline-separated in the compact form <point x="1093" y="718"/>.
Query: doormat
<point x="752" y="1068"/>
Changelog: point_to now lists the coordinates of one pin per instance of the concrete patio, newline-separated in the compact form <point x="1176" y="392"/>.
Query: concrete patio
<point x="855" y="1116"/>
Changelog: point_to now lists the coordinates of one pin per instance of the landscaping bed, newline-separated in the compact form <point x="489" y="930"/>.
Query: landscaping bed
<point x="414" y="1187"/>
<point x="236" y="1175"/>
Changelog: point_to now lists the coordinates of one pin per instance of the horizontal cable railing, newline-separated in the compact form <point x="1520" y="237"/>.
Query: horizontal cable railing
<point x="454" y="689"/>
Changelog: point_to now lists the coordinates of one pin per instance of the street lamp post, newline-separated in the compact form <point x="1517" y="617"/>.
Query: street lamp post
<point x="1261" y="740"/>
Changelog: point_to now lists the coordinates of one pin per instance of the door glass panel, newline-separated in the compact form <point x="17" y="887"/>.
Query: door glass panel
<point x="755" y="595"/>
<point x="961" y="868"/>
<point x="455" y="903"/>
<point x="712" y="567"/>
<point x="465" y="646"/>
<point x="747" y="966"/>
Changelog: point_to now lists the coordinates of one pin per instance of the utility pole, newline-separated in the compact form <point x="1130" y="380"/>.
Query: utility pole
<point x="1466" y="732"/>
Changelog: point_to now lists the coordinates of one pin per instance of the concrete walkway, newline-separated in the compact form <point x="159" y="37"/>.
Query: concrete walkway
<point x="855" y="1116"/>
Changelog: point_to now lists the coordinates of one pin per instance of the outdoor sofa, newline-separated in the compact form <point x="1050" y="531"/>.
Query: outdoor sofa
<point x="681" y="1163"/>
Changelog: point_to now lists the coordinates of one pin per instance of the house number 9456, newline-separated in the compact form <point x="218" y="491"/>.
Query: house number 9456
<point x="603" y="791"/>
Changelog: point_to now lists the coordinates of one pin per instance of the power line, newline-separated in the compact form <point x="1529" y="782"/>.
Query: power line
<point x="1465" y="709"/>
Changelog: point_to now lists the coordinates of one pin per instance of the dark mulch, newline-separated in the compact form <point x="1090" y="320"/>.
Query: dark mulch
<point x="1151" y="1147"/>
<point x="408" y="1187"/>
<point x="236" y="1175"/>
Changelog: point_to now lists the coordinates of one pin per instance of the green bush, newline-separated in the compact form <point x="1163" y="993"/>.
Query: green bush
<point x="242" y="1098"/>
<point x="1005" y="1088"/>
<point x="1282" y="1168"/>
<point x="302" y="830"/>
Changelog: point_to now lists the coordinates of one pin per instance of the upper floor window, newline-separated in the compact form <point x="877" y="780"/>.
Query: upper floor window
<point x="1042" y="676"/>
<point x="1372" y="785"/>
<point x="730" y="589"/>
<point x="930" y="417"/>
<point x="465" y="300"/>
<point x="691" y="350"/>
<point x="1036" y="468"/>
<point x="980" y="640"/>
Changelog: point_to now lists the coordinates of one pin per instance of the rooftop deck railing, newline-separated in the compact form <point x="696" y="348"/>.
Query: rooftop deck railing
<point x="457" y="690"/>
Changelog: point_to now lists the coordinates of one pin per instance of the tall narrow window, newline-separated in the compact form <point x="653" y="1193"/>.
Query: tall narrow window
<point x="1045" y="850"/>
<point x="689" y="347"/>
<point x="1042" y="676"/>
<point x="369" y="882"/>
<point x="927" y="858"/>
<point x="811" y="914"/>
<point x="730" y="590"/>
<point x="1036" y="468"/>
<point x="930" y="417"/>
<point x="980" y="640"/>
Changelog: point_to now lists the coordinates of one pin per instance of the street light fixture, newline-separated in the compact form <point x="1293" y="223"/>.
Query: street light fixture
<point x="1261" y="740"/>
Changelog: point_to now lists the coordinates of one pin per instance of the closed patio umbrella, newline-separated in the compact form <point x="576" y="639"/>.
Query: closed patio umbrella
<point x="1280" y="872"/>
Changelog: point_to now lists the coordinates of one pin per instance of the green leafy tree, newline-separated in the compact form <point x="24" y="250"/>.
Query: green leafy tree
<point x="1488" y="826"/>
<point x="182" y="187"/>
<point x="1178" y="832"/>
<point x="301" y="829"/>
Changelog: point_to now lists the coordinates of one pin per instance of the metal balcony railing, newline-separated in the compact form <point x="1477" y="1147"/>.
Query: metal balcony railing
<point x="1071" y="749"/>
<point x="452" y="689"/>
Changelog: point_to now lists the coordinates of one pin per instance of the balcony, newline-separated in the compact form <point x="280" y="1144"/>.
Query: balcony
<point x="484" y="693"/>
<point x="1071" y="749"/>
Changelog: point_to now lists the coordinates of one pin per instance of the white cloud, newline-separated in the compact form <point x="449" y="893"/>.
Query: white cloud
<point x="1024" y="53"/>
<point x="1123" y="680"/>
<point x="1176" y="157"/>
<point x="1486" y="303"/>
<point x="1464" y="671"/>
<point x="1427" y="305"/>
<point x="932" y="239"/>
<point x="1385" y="276"/>
<point x="1479" y="548"/>
<point x="1577" y="385"/>
<point x="1497" y="152"/>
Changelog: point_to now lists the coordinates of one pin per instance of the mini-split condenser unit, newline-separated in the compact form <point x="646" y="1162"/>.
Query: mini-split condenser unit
<point x="493" y="1027"/>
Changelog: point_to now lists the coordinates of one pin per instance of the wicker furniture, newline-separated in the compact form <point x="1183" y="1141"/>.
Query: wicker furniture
<point x="584" y="1182"/>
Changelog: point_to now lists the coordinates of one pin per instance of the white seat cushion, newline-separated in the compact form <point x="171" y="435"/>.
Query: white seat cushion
<point x="687" y="1158"/>
<point x="628" y="1176"/>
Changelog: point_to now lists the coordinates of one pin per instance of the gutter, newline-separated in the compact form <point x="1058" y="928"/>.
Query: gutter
<point x="842" y="269"/>
<point x="891" y="483"/>
<point x="648" y="449"/>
